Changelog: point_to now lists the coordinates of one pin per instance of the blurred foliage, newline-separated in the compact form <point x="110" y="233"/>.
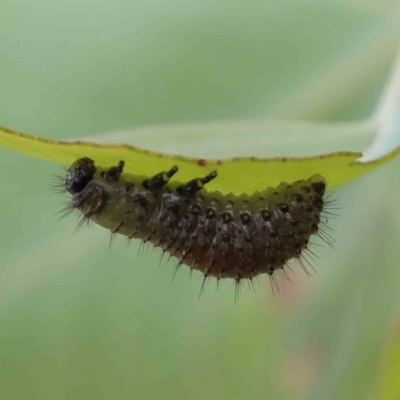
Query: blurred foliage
<point x="79" y="321"/>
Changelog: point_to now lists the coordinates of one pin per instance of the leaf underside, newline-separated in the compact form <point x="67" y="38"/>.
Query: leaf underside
<point x="235" y="175"/>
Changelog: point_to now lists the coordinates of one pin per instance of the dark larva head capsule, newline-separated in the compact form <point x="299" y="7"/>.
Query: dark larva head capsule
<point x="79" y="174"/>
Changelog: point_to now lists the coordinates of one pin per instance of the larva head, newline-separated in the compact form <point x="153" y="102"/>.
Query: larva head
<point x="79" y="174"/>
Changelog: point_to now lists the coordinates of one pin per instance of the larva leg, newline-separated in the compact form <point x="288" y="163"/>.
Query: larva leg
<point x="191" y="188"/>
<point x="113" y="173"/>
<point x="158" y="181"/>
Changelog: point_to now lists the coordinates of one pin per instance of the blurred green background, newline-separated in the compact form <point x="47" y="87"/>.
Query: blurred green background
<point x="78" y="321"/>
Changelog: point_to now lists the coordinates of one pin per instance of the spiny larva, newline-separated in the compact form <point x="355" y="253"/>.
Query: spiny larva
<point x="223" y="236"/>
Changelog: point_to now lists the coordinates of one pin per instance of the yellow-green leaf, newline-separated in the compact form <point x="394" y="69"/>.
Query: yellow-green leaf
<point x="389" y="388"/>
<point x="236" y="175"/>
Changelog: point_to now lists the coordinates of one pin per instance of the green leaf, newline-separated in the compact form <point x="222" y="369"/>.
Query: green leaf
<point x="390" y="386"/>
<point x="236" y="175"/>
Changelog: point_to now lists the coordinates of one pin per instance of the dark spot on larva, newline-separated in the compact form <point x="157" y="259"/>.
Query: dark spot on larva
<point x="128" y="187"/>
<point x="314" y="227"/>
<point x="298" y="197"/>
<point x="245" y="217"/>
<point x="306" y="189"/>
<point x="141" y="200"/>
<point x="227" y="217"/>
<point x="265" y="214"/>
<point x="219" y="162"/>
<point x="172" y="206"/>
<point x="195" y="209"/>
<point x="273" y="233"/>
<point x="318" y="202"/>
<point x="248" y="238"/>
<point x="210" y="213"/>
<point x="225" y="237"/>
<point x="319" y="188"/>
<point x="202" y="162"/>
<point x="284" y="207"/>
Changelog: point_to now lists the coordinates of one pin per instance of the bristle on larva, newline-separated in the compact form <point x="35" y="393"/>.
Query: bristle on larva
<point x="223" y="236"/>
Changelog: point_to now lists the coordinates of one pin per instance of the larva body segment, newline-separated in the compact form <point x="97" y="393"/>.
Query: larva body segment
<point x="224" y="236"/>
